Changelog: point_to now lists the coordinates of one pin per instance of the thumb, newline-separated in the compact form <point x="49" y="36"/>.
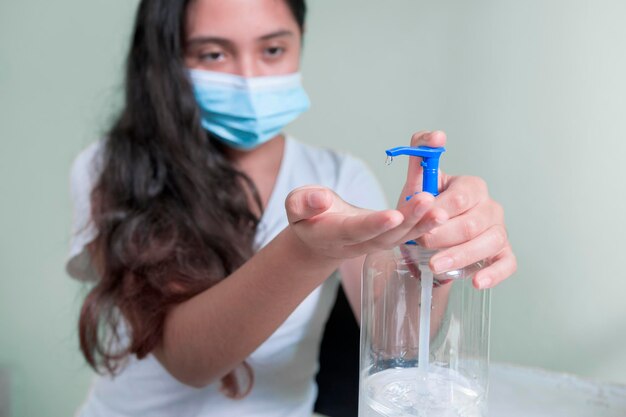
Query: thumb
<point x="307" y="202"/>
<point x="433" y="139"/>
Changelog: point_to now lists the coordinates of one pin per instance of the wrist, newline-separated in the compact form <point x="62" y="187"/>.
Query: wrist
<point x="304" y="253"/>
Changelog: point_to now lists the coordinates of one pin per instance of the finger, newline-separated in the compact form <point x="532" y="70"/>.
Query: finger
<point x="425" y="217"/>
<point x="361" y="228"/>
<point x="414" y="173"/>
<point x="387" y="241"/>
<point x="352" y="229"/>
<point x="419" y="216"/>
<point x="415" y="208"/>
<point x="485" y="246"/>
<point x="465" y="227"/>
<point x="503" y="266"/>
<point x="435" y="218"/>
<point x="462" y="194"/>
<point x="307" y="202"/>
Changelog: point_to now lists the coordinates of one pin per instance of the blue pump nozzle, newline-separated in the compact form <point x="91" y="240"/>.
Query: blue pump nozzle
<point x="430" y="163"/>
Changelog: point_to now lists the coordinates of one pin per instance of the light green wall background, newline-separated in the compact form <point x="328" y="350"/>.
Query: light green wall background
<point x="532" y="95"/>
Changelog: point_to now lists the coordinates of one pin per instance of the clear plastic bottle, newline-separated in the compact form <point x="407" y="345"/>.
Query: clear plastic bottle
<point x="424" y="338"/>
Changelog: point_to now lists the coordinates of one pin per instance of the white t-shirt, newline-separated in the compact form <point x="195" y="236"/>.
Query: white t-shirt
<point x="285" y="364"/>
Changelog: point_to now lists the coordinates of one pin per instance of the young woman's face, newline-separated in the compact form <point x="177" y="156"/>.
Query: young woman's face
<point x="243" y="37"/>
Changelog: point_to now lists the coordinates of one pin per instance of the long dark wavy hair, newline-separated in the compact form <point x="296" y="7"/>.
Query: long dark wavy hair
<point x="173" y="214"/>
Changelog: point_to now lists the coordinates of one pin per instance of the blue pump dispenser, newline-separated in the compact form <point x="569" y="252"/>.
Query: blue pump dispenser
<point x="430" y="164"/>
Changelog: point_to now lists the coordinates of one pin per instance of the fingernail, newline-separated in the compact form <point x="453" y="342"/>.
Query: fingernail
<point x="442" y="264"/>
<point x="419" y="208"/>
<point x="415" y="139"/>
<point x="435" y="132"/>
<point x="390" y="224"/>
<point x="315" y="199"/>
<point x="441" y="220"/>
<point x="484" y="282"/>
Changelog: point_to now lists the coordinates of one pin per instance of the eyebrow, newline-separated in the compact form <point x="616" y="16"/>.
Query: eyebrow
<point x="276" y="34"/>
<point x="227" y="42"/>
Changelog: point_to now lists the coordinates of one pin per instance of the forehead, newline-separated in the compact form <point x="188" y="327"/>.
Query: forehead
<point x="238" y="19"/>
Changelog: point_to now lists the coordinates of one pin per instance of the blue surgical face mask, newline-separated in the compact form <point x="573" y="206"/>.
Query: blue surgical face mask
<point x="246" y="112"/>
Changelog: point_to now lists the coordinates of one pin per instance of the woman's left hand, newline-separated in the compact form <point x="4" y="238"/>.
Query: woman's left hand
<point x="475" y="230"/>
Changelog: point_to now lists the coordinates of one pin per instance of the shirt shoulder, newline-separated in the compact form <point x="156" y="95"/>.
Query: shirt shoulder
<point x="316" y="164"/>
<point x="87" y="165"/>
<point x="349" y="176"/>
<point x="84" y="174"/>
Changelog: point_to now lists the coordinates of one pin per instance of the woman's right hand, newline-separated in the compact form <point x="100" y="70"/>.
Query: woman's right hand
<point x="334" y="229"/>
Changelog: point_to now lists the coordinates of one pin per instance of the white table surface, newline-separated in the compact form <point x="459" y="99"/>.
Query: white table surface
<point x="516" y="391"/>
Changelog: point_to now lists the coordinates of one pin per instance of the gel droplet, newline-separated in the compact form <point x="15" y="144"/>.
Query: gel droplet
<point x="389" y="160"/>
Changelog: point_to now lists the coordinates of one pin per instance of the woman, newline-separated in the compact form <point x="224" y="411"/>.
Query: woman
<point x="209" y="250"/>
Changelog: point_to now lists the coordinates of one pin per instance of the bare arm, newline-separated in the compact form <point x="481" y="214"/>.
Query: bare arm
<point x="210" y="334"/>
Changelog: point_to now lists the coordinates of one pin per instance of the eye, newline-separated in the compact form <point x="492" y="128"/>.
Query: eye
<point x="212" y="56"/>
<point x="274" y="51"/>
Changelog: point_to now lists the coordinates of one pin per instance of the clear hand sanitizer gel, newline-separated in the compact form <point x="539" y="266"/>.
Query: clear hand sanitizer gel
<point x="424" y="337"/>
